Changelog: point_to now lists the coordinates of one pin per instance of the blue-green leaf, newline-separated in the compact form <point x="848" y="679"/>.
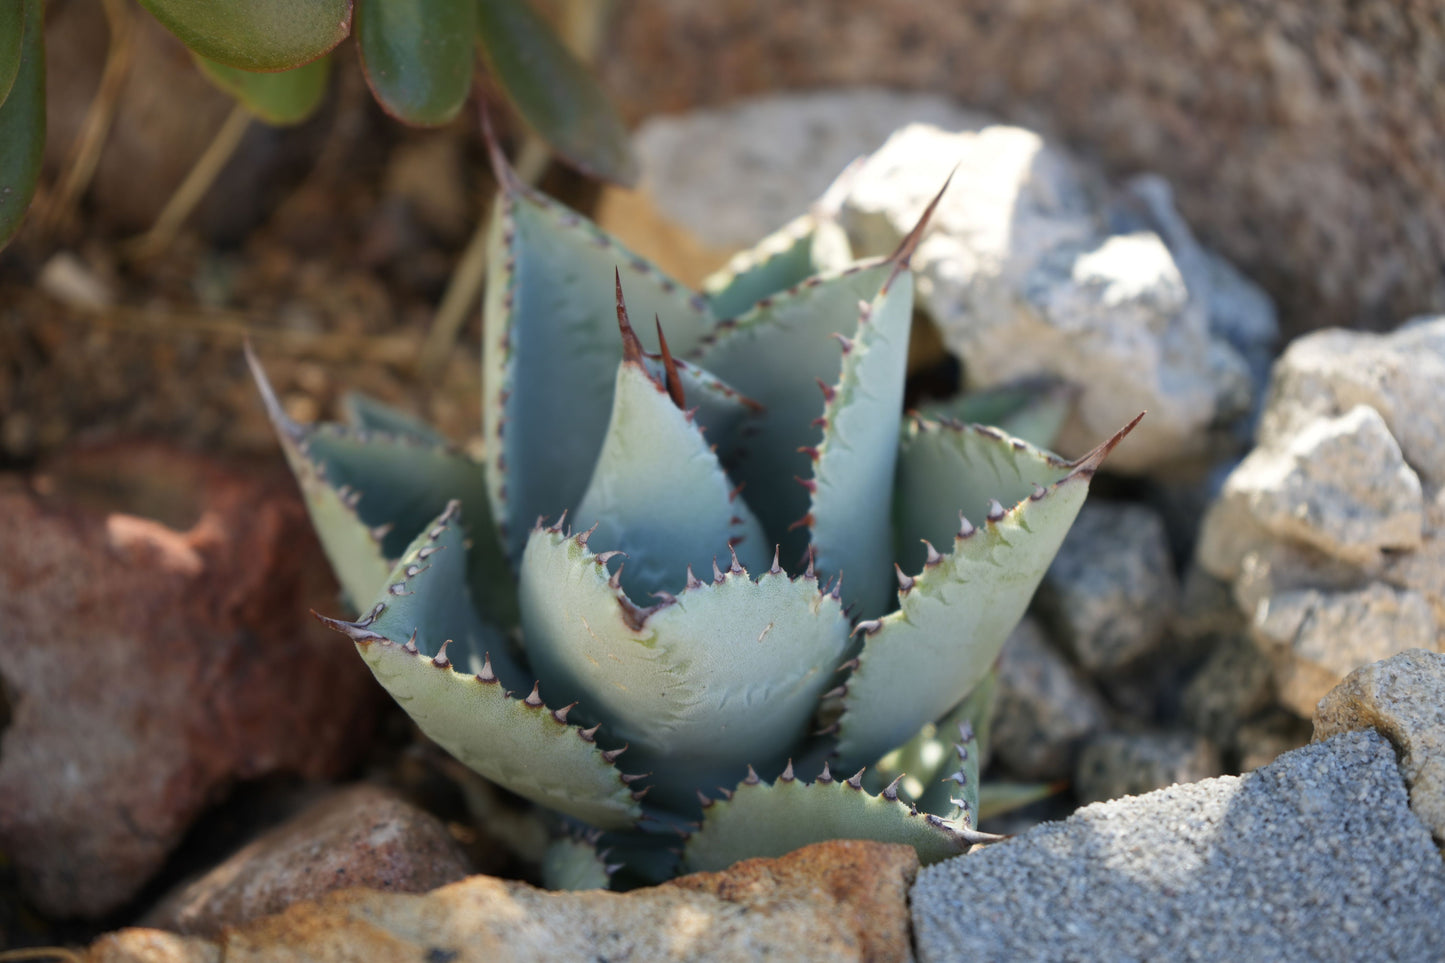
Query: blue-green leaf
<point x="808" y="245"/>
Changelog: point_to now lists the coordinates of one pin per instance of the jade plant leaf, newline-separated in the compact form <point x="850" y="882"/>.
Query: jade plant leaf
<point x="12" y="34"/>
<point x="258" y="34"/>
<point x="553" y="91"/>
<point x="22" y="121"/>
<point x="430" y="652"/>
<point x="417" y="56"/>
<point x="281" y="98"/>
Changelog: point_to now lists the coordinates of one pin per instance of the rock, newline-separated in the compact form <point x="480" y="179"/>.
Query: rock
<point x="1403" y="698"/>
<point x="1339" y="485"/>
<point x="359" y="836"/>
<point x="1022" y="278"/>
<point x="1233" y="684"/>
<point x="1111" y="591"/>
<point x="1315" y="857"/>
<point x="149" y="665"/>
<point x="1315" y="639"/>
<point x="1263" y="739"/>
<point x="1273" y="123"/>
<point x="1043" y="709"/>
<point x="1118" y="764"/>
<point x="842" y="900"/>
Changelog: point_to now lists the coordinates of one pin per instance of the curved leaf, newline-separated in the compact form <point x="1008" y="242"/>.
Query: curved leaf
<point x="417" y="56"/>
<point x="417" y="637"/>
<point x="1034" y="410"/>
<point x="659" y="496"/>
<point x="256" y="34"/>
<point x="556" y="94"/>
<point x="12" y="33"/>
<point x="573" y="864"/>
<point x="367" y="414"/>
<point x="773" y="354"/>
<point x="770" y="820"/>
<point x="805" y="246"/>
<point x="727" y="673"/>
<point x="552" y="350"/>
<point x="954" y="616"/>
<point x="280" y="99"/>
<point x="933" y="770"/>
<point x="22" y="123"/>
<point x="852" y="477"/>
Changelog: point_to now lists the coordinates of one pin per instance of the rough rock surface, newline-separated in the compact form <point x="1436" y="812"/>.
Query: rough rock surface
<point x="1315" y="857"/>
<point x="360" y="836"/>
<point x="1117" y="764"/>
<point x="149" y="665"/>
<point x="1111" y="590"/>
<point x="842" y="900"/>
<point x="1220" y="99"/>
<point x="1043" y="709"/>
<point x="1404" y="699"/>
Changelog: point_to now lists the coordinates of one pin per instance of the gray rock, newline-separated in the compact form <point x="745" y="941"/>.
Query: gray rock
<point x="1234" y="683"/>
<point x="1111" y="591"/>
<point x="1043" y="710"/>
<point x="1023" y="279"/>
<point x="1315" y="857"/>
<point x="1404" y="698"/>
<point x="1315" y="638"/>
<point x="1118" y="764"/>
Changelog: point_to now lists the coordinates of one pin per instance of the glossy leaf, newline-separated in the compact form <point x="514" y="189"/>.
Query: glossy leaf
<point x="256" y="34"/>
<point x="556" y="94"/>
<point x="12" y="33"/>
<point x="725" y="674"/>
<point x="417" y="56"/>
<point x="425" y="645"/>
<point x="955" y="614"/>
<point x="279" y="99"/>
<point x="552" y="349"/>
<point x="22" y="123"/>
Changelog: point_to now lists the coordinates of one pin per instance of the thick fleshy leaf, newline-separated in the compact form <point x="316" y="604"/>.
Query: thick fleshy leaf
<point x="256" y="34"/>
<point x="426" y="646"/>
<point x="853" y="470"/>
<point x="369" y="494"/>
<point x="932" y="769"/>
<point x="955" y="614"/>
<point x="552" y="349"/>
<point x="12" y="33"/>
<point x="573" y="864"/>
<point x="417" y="56"/>
<point x="727" y="673"/>
<point x="1033" y="410"/>
<point x="367" y="414"/>
<point x="556" y="94"/>
<point x="22" y="121"/>
<point x="807" y="245"/>
<point x="282" y="98"/>
<point x="659" y="496"/>
<point x="771" y="820"/>
<point x="775" y="354"/>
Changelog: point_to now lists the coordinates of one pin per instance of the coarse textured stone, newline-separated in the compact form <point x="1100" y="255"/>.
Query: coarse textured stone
<point x="1111" y="591"/>
<point x="1315" y="857"/>
<point x="1043" y="710"/>
<point x="1315" y="638"/>
<point x="359" y="836"/>
<point x="1117" y="764"/>
<point x="1234" y="683"/>
<point x="1263" y="739"/>
<point x="1273" y="121"/>
<point x="148" y="665"/>
<point x="842" y="900"/>
<point x="1403" y="698"/>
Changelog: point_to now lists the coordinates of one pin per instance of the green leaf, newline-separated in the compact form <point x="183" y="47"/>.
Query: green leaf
<point x="659" y="496"/>
<point x="417" y="56"/>
<point x="367" y="414"/>
<point x="418" y="636"/>
<point x="22" y="123"/>
<point x="771" y="820"/>
<point x="775" y="354"/>
<point x="12" y="33"/>
<point x="806" y="246"/>
<point x="552" y="350"/>
<point x="1034" y="410"/>
<point x="727" y="673"/>
<point x="556" y="94"/>
<point x="574" y="864"/>
<point x="280" y="99"/>
<point x="257" y="34"/>
<point x="852" y="476"/>
<point x="955" y="614"/>
<point x="931" y="768"/>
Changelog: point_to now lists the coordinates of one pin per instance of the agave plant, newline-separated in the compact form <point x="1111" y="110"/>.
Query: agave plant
<point x="768" y="569"/>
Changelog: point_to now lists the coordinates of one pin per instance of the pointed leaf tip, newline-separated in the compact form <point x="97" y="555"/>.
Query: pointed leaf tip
<point x="1090" y="463"/>
<point x="502" y="169"/>
<point x="631" y="347"/>
<point x="674" y="383"/>
<point x="904" y="253"/>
